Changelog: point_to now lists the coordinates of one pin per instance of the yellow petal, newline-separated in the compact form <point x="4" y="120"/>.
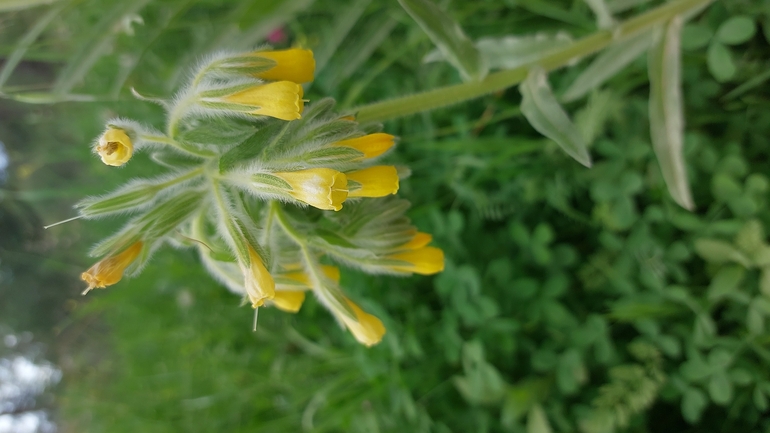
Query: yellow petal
<point x="331" y="272"/>
<point x="115" y="147"/>
<point x="366" y="328"/>
<point x="323" y="188"/>
<point x="371" y="145"/>
<point x="424" y="261"/>
<point x="281" y="99"/>
<point x="418" y="241"/>
<point x="296" y="65"/>
<point x="377" y="181"/>
<point x="258" y="282"/>
<point x="289" y="300"/>
<point x="109" y="270"/>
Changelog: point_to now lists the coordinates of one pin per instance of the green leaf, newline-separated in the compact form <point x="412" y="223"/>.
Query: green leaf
<point x="666" y="111"/>
<point x="725" y="282"/>
<point x="510" y="52"/>
<point x="537" y="421"/>
<point x="520" y="399"/>
<point x="736" y="30"/>
<point x="252" y="146"/>
<point x="720" y="388"/>
<point x="694" y="402"/>
<point x="751" y="237"/>
<point x="542" y="110"/>
<point x="570" y="372"/>
<point x="607" y="64"/>
<point x="448" y="37"/>
<point x="603" y="15"/>
<point x="760" y="399"/>
<point x="755" y="320"/>
<point x="764" y="282"/>
<point x="720" y="62"/>
<point x="696" y="36"/>
<point x="13" y="5"/>
<point x="717" y="251"/>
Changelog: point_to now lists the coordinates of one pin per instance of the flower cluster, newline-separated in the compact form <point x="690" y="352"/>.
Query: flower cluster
<point x="269" y="192"/>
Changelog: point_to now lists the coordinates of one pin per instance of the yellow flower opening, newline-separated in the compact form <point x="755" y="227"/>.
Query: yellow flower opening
<point x="377" y="181"/>
<point x="289" y="301"/>
<point x="115" y="148"/>
<point x="372" y="145"/>
<point x="366" y="328"/>
<point x="323" y="188"/>
<point x="282" y="100"/>
<point x="288" y="298"/>
<point x="258" y="282"/>
<point x="424" y="261"/>
<point x="109" y="270"/>
<point x="296" y="65"/>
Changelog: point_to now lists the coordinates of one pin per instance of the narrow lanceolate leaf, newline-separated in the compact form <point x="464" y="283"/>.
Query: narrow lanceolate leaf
<point x="448" y="37"/>
<point x="666" y="112"/>
<point x="510" y="52"/>
<point x="542" y="110"/>
<point x="131" y="197"/>
<point x="607" y="64"/>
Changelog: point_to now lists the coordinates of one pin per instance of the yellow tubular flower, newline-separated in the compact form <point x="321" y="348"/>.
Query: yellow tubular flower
<point x="367" y="329"/>
<point x="282" y="100"/>
<point x="296" y="65"/>
<point x="372" y="145"/>
<point x="115" y="148"/>
<point x="424" y="261"/>
<point x="418" y="241"/>
<point x="258" y="282"/>
<point x="377" y="181"/>
<point x="323" y="188"/>
<point x="109" y="270"/>
<point x="289" y="301"/>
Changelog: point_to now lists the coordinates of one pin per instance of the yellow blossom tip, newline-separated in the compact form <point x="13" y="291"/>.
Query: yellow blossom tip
<point x="366" y="328"/>
<point x="109" y="270"/>
<point x="424" y="261"/>
<point x="281" y="99"/>
<point x="115" y="147"/>
<point x="418" y="241"/>
<point x="372" y="145"/>
<point x="296" y="65"/>
<point x="289" y="301"/>
<point x="258" y="282"/>
<point x="322" y="188"/>
<point x="377" y="181"/>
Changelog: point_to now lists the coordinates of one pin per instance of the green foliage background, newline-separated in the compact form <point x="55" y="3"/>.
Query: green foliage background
<point x="573" y="299"/>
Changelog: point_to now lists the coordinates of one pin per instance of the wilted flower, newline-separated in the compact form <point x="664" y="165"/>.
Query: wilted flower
<point x="323" y="188"/>
<point x="377" y="181"/>
<point x="115" y="147"/>
<point x="109" y="270"/>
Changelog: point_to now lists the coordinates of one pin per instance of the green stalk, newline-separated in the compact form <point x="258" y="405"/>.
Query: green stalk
<point x="590" y="44"/>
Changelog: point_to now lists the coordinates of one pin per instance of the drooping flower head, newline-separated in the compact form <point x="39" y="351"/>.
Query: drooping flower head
<point x="115" y="147"/>
<point x="109" y="270"/>
<point x="258" y="282"/>
<point x="280" y="99"/>
<point x="377" y="181"/>
<point x="366" y="328"/>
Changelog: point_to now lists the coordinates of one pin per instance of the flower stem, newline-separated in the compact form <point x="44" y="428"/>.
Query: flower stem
<point x="590" y="44"/>
<point x="173" y="143"/>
